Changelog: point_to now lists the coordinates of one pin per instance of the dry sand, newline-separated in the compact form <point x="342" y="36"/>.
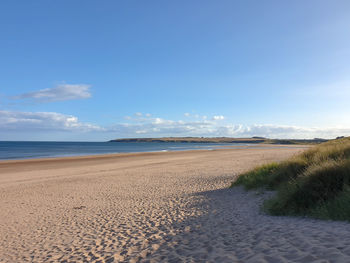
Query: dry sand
<point x="153" y="207"/>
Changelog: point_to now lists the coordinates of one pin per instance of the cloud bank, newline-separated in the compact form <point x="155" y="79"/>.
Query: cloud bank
<point x="61" y="92"/>
<point x="42" y="121"/>
<point x="144" y="125"/>
<point x="218" y="117"/>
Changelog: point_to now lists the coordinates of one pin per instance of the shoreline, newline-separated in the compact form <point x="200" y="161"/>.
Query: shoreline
<point x="153" y="207"/>
<point x="121" y="154"/>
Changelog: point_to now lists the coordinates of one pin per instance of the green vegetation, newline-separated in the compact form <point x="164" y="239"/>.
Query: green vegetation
<point x="315" y="183"/>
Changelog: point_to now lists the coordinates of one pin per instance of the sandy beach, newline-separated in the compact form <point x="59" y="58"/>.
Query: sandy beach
<point x="154" y="207"/>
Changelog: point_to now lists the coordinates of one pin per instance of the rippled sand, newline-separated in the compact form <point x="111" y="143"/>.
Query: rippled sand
<point x="153" y="207"/>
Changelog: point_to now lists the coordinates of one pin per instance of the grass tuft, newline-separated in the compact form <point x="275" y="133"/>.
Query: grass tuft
<point x="315" y="183"/>
<point x="258" y="177"/>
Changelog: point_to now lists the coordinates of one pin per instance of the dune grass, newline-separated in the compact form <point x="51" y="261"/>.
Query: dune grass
<point x="314" y="183"/>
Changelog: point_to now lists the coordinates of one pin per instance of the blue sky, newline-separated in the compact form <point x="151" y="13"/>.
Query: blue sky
<point x="97" y="70"/>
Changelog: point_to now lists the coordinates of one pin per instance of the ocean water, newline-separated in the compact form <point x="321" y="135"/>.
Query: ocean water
<point x="29" y="150"/>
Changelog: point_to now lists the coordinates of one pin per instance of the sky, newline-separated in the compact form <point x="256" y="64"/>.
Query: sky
<point x="100" y="70"/>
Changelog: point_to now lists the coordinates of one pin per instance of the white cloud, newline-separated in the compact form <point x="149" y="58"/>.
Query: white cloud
<point x="282" y="131"/>
<point x="187" y="114"/>
<point x="26" y="122"/>
<point x="159" y="121"/>
<point x="42" y="121"/>
<point x="158" y="127"/>
<point x="61" y="92"/>
<point x="138" y="114"/>
<point x="218" y="117"/>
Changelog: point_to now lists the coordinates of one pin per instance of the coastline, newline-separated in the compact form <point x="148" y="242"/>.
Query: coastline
<point x="152" y="207"/>
<point x="116" y="154"/>
<point x="29" y="170"/>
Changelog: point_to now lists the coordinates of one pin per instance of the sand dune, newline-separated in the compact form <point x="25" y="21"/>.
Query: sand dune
<point x="153" y="207"/>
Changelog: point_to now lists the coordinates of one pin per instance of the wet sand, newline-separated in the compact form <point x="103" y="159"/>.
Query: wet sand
<point x="153" y="207"/>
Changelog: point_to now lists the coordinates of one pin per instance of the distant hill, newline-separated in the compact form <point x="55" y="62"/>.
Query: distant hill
<point x="222" y="140"/>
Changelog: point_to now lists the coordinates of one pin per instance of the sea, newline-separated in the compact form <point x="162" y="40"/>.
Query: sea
<point x="10" y="150"/>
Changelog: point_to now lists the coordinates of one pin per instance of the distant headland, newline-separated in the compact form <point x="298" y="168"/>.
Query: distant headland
<point x="223" y="140"/>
